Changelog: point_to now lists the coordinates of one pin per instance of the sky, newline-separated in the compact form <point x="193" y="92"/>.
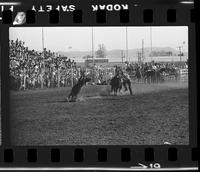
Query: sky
<point x="80" y="38"/>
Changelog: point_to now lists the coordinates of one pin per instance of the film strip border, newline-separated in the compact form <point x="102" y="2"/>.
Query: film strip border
<point x="145" y="16"/>
<point x="100" y="156"/>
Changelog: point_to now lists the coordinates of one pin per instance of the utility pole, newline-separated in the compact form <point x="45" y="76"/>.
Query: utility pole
<point x="93" y="71"/>
<point x="127" y="58"/>
<point x="42" y="39"/>
<point x="122" y="55"/>
<point x="180" y="53"/>
<point x="139" y="57"/>
<point x="142" y="50"/>
<point x="92" y="46"/>
<point x="151" y="40"/>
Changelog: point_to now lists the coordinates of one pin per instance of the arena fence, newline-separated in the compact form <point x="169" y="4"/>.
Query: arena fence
<point x="183" y="75"/>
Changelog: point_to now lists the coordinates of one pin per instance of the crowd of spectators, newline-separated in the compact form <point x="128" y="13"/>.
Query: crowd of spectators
<point x="34" y="69"/>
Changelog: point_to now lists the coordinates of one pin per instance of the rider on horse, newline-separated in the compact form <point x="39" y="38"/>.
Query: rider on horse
<point x="125" y="79"/>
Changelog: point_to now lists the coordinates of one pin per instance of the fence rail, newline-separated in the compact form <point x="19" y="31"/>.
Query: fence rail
<point x="183" y="75"/>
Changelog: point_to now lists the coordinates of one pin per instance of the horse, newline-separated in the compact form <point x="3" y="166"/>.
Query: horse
<point x="154" y="76"/>
<point x="116" y="84"/>
<point x="150" y="76"/>
<point x="77" y="88"/>
<point x="118" y="81"/>
<point x="126" y="81"/>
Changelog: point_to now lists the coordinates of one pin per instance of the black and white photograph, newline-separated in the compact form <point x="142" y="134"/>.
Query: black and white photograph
<point x="99" y="85"/>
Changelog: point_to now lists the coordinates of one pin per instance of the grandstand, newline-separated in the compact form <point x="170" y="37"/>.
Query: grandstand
<point x="33" y="69"/>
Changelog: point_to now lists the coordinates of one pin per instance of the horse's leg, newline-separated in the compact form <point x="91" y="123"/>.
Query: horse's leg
<point x="141" y="78"/>
<point x="130" y="89"/>
<point x="176" y="77"/>
<point x="124" y="84"/>
<point x="116" y="89"/>
<point x="144" y="80"/>
<point x="112" y="90"/>
<point x="74" y="98"/>
<point x="119" y="90"/>
<point x="69" y="98"/>
<point x="70" y="94"/>
<point x="115" y="92"/>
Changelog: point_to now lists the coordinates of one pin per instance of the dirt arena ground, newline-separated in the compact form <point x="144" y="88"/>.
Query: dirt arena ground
<point x="155" y="114"/>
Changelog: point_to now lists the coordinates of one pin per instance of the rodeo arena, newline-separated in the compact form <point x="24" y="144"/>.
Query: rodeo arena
<point x="58" y="101"/>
